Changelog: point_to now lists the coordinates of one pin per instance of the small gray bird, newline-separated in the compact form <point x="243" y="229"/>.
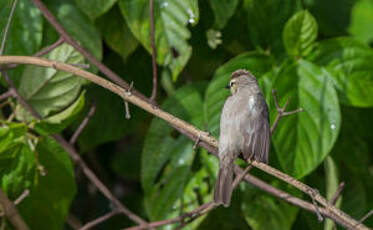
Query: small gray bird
<point x="244" y="128"/>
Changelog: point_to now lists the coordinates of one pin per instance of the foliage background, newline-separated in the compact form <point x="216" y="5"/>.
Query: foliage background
<point x="317" y="53"/>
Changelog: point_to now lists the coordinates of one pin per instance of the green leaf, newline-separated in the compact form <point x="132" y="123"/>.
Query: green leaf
<point x="266" y="20"/>
<point x="77" y="25"/>
<point x="349" y="62"/>
<point x="24" y="34"/>
<point x="332" y="184"/>
<point x="299" y="34"/>
<point x="59" y="121"/>
<point x="48" y="90"/>
<point x="223" y="11"/>
<point x="95" y="8"/>
<point x="164" y="149"/>
<point x="171" y="34"/>
<point x="116" y="33"/>
<point x="303" y="140"/>
<point x="216" y="93"/>
<point x="264" y="212"/>
<point x="54" y="192"/>
<point x="17" y="161"/>
<point x="361" y="21"/>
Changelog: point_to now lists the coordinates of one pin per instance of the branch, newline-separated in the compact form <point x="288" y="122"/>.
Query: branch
<point x="11" y="212"/>
<point x="281" y="111"/>
<point x="99" y="220"/>
<point x="154" y="53"/>
<point x="19" y="199"/>
<point x="337" y="194"/>
<point x="205" y="139"/>
<point x="6" y="95"/>
<point x="83" y="124"/>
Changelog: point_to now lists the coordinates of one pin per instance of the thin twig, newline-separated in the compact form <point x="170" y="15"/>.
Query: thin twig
<point x="3" y="43"/>
<point x="11" y="212"/>
<point x="83" y="124"/>
<point x="207" y="141"/>
<point x="154" y="52"/>
<point x="73" y="222"/>
<point x="99" y="220"/>
<point x="366" y="216"/>
<point x="281" y="111"/>
<point x="338" y="193"/>
<point x="312" y="193"/>
<point x="6" y="95"/>
<point x="19" y="199"/>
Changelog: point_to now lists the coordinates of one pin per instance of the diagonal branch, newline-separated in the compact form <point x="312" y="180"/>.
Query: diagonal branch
<point x="83" y="124"/>
<point x="99" y="220"/>
<point x="11" y="212"/>
<point x="205" y="139"/>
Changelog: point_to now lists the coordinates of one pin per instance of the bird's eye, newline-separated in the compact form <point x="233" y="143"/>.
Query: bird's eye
<point x="232" y="83"/>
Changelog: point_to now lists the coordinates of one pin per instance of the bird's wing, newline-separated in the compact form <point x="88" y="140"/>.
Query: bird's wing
<point x="256" y="132"/>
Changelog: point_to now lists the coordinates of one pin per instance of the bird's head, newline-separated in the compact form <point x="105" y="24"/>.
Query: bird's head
<point x="239" y="79"/>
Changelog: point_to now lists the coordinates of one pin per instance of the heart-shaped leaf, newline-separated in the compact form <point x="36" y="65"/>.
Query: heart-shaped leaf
<point x="48" y="90"/>
<point x="299" y="34"/>
<point x="349" y="62"/>
<point x="303" y="140"/>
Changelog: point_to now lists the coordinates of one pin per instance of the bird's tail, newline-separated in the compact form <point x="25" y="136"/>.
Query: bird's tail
<point x="223" y="186"/>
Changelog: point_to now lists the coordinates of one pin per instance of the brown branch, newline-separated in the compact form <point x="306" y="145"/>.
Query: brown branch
<point x="6" y="95"/>
<point x="73" y="222"/>
<point x="3" y="42"/>
<point x="19" y="199"/>
<point x="11" y="212"/>
<point x="281" y="111"/>
<point x="366" y="216"/>
<point x="154" y="52"/>
<point x="338" y="193"/>
<point x="205" y="140"/>
<point x="83" y="124"/>
<point x="67" y="38"/>
<point x="99" y="220"/>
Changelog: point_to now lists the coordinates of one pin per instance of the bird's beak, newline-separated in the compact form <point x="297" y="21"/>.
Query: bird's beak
<point x="227" y="87"/>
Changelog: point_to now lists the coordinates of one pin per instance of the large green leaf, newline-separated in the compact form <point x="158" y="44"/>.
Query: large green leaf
<point x="116" y="33"/>
<point x="54" y="192"/>
<point x="266" y="20"/>
<point x="17" y="161"/>
<point x="95" y="8"/>
<point x="223" y="11"/>
<point x="167" y="156"/>
<point x="299" y="34"/>
<point x="77" y="25"/>
<point x="302" y="141"/>
<point x="59" y="121"/>
<point x="264" y="212"/>
<point x="349" y="61"/>
<point x="216" y="93"/>
<point x="361" y="21"/>
<point x="171" y="33"/>
<point x="48" y="90"/>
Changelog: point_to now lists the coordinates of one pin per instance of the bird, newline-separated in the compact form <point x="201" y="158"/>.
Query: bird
<point x="244" y="129"/>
